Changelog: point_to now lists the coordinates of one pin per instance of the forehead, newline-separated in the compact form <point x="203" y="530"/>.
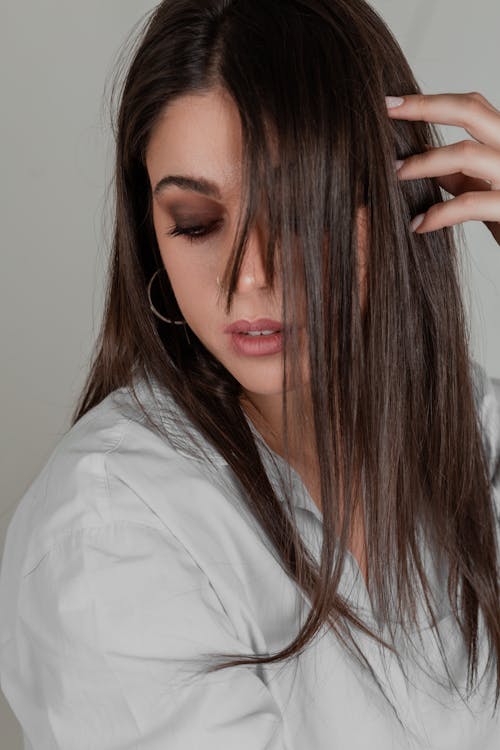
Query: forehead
<point x="198" y="134"/>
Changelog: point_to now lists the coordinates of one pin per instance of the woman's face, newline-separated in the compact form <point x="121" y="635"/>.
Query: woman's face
<point x="199" y="137"/>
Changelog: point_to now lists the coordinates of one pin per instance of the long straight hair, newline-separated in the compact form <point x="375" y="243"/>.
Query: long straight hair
<point x="396" y="427"/>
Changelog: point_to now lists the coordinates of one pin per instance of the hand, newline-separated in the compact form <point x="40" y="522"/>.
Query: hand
<point x="469" y="170"/>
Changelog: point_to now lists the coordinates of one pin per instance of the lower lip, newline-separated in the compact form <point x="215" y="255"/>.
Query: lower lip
<point x="257" y="346"/>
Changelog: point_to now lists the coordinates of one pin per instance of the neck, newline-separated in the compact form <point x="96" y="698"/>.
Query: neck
<point x="266" y="414"/>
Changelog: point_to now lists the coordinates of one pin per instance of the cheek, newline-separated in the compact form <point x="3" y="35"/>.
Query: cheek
<point x="190" y="283"/>
<point x="193" y="286"/>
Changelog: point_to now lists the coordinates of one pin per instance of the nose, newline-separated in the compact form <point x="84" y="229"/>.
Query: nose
<point x="252" y="272"/>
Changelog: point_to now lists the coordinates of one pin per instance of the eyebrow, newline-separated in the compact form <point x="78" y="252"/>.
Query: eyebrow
<point x="199" y="185"/>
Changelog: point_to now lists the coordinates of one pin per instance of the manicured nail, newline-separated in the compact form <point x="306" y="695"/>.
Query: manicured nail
<point x="394" y="101"/>
<point x="417" y="221"/>
<point x="398" y="164"/>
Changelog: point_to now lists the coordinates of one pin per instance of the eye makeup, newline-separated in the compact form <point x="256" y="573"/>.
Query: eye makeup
<point x="194" y="230"/>
<point x="192" y="221"/>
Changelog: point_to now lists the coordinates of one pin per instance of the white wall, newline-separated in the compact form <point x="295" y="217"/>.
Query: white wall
<point x="452" y="46"/>
<point x="55" y="56"/>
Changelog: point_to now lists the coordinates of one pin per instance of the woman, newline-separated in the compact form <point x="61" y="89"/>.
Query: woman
<point x="274" y="522"/>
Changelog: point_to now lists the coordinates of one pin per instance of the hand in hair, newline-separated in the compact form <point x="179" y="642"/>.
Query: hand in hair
<point x="469" y="169"/>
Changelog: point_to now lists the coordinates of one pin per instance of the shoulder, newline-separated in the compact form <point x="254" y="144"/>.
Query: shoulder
<point x="126" y="569"/>
<point x="110" y="468"/>
<point x="124" y="509"/>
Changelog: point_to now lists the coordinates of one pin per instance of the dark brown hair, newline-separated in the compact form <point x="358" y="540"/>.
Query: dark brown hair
<point x="395" y="418"/>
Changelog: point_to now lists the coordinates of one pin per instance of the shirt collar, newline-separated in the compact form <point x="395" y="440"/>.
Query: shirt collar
<point x="187" y="440"/>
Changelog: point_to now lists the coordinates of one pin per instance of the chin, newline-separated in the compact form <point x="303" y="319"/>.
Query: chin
<point x="268" y="382"/>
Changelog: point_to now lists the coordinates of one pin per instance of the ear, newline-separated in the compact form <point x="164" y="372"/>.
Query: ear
<point x="362" y="228"/>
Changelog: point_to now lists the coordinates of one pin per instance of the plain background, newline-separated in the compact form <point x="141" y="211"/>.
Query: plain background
<point x="56" y="57"/>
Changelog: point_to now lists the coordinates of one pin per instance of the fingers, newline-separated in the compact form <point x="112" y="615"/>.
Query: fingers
<point x="469" y="170"/>
<point x="466" y="207"/>
<point x="468" y="157"/>
<point x="470" y="111"/>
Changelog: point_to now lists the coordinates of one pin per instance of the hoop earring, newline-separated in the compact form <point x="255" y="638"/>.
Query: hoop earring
<point x="153" y="308"/>
<point x="158" y="314"/>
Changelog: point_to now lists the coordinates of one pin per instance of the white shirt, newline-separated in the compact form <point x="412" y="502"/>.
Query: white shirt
<point x="128" y="559"/>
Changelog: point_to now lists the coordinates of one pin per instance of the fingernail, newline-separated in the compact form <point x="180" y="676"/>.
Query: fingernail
<point x="398" y="164"/>
<point x="417" y="221"/>
<point x="394" y="101"/>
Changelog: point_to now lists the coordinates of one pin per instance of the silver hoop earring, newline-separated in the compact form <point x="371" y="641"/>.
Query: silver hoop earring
<point x="153" y="308"/>
<point x="159" y="315"/>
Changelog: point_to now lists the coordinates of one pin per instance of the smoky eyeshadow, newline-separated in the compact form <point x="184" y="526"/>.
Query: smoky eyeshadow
<point x="184" y="215"/>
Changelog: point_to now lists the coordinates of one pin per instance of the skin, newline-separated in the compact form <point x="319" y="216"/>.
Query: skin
<point x="469" y="169"/>
<point x="200" y="135"/>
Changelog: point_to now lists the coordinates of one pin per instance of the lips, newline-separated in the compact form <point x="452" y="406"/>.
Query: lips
<point x="262" y="324"/>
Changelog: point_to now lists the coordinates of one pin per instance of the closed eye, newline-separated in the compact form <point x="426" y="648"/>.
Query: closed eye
<point x="194" y="232"/>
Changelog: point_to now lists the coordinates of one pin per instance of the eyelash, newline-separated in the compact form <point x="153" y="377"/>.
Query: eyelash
<point x="193" y="233"/>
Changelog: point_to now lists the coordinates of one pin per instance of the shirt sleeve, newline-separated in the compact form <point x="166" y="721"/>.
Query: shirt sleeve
<point x="114" y="624"/>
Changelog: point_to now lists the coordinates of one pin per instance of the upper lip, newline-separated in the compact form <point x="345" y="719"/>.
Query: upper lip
<point x="262" y="324"/>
